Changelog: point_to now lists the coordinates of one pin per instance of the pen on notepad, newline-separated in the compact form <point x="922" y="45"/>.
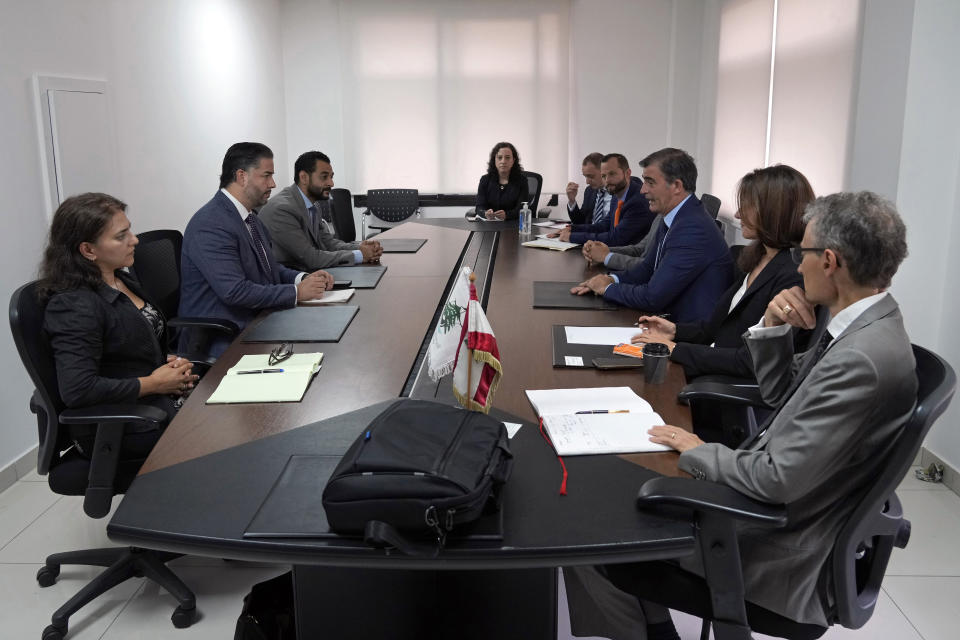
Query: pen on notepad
<point x="605" y="411"/>
<point x="240" y="373"/>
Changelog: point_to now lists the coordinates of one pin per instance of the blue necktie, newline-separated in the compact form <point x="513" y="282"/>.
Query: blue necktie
<point x="661" y="239"/>
<point x="258" y="242"/>
<point x="599" y="213"/>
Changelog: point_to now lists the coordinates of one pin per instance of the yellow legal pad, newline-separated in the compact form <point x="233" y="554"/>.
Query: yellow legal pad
<point x="283" y="382"/>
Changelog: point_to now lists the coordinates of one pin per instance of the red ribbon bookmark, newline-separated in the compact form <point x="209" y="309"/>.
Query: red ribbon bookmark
<point x="563" y="485"/>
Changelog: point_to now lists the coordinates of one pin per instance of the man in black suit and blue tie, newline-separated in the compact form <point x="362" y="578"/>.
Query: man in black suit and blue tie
<point x="596" y="200"/>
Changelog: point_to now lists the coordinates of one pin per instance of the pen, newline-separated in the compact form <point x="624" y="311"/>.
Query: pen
<point x="655" y="315"/>
<point x="604" y="411"/>
<point x="240" y="373"/>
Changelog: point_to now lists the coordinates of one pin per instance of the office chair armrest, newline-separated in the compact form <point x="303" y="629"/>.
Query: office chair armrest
<point x="707" y="497"/>
<point x="728" y="389"/>
<point x="114" y="413"/>
<point x="217" y="324"/>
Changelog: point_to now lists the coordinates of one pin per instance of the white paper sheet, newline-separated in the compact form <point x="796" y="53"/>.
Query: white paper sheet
<point x="603" y="433"/>
<point x="329" y="297"/>
<point x="512" y="428"/>
<point x="600" y="335"/>
<point x="568" y="401"/>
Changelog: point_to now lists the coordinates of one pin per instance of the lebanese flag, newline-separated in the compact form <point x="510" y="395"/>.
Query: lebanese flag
<point x="478" y="359"/>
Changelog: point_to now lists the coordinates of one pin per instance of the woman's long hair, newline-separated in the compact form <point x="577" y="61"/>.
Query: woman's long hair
<point x="79" y="219"/>
<point x="779" y="194"/>
<point x="516" y="171"/>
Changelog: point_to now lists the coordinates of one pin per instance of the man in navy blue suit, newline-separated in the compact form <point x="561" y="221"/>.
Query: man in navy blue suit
<point x="596" y="200"/>
<point x="689" y="265"/>
<point x="629" y="218"/>
<point x="227" y="266"/>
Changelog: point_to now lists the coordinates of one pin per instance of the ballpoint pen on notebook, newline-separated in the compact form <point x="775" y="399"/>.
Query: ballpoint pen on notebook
<point x="604" y="411"/>
<point x="240" y="373"/>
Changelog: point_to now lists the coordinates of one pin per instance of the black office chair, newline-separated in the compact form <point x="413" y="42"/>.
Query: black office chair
<point x="860" y="553"/>
<point x="341" y="207"/>
<point x="98" y="478"/>
<point x="157" y="268"/>
<point x="534" y="185"/>
<point x="711" y="203"/>
<point x="388" y="208"/>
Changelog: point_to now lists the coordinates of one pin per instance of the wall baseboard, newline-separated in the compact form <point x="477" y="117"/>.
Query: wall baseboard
<point x="18" y="469"/>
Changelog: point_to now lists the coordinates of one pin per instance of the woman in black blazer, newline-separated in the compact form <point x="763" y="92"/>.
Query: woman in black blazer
<point x="106" y="339"/>
<point x="503" y="188"/>
<point x="770" y="206"/>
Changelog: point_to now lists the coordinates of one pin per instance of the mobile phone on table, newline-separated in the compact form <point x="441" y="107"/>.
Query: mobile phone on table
<point x="342" y="284"/>
<point x="617" y="363"/>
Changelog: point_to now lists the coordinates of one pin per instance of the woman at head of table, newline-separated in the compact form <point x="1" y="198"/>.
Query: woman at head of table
<point x="770" y="206"/>
<point x="107" y="339"/>
<point x="503" y="188"/>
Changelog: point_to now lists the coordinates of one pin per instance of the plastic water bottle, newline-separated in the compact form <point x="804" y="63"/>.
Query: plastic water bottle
<point x="525" y="218"/>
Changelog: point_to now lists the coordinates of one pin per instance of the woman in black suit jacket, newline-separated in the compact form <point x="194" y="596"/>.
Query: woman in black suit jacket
<point x="503" y="188"/>
<point x="106" y="339"/>
<point x="770" y="206"/>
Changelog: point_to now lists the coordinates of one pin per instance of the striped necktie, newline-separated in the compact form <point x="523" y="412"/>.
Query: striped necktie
<point x="598" y="211"/>
<point x="251" y="221"/>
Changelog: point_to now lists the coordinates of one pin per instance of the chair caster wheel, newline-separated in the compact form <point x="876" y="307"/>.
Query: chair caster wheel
<point x="183" y="618"/>
<point x="47" y="576"/>
<point x="54" y="633"/>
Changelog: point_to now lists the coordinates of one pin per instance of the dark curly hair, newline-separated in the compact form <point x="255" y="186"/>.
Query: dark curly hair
<point x="79" y="219"/>
<point x="516" y="171"/>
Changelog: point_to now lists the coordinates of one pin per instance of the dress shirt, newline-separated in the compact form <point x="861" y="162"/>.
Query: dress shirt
<point x="605" y="198"/>
<point x="316" y="219"/>
<point x="243" y="213"/>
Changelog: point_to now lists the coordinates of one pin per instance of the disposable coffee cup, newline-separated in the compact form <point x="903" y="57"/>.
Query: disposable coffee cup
<point x="655" y="356"/>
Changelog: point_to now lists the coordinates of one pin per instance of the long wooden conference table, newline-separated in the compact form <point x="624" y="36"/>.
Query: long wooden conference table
<point x="208" y="475"/>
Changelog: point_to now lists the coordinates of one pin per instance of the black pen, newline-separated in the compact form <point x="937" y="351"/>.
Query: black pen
<point x="655" y="315"/>
<point x="240" y="373"/>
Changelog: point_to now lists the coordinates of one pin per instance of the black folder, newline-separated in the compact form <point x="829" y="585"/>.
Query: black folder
<point x="586" y="352"/>
<point x="401" y="245"/>
<point x="361" y="276"/>
<point x="294" y="506"/>
<point x="556" y="295"/>
<point x="303" y="324"/>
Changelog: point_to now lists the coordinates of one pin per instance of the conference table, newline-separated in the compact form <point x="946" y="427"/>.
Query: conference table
<point x="208" y="476"/>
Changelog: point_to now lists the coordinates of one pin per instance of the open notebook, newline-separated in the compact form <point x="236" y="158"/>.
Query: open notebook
<point x="594" y="421"/>
<point x="253" y="379"/>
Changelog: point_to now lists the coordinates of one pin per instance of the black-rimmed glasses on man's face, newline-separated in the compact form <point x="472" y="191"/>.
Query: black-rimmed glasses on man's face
<point x="797" y="252"/>
<point x="280" y="354"/>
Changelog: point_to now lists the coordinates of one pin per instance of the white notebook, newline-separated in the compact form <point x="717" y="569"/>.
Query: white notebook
<point x="329" y="297"/>
<point x="595" y="421"/>
<point x="550" y="243"/>
<point x="263" y="382"/>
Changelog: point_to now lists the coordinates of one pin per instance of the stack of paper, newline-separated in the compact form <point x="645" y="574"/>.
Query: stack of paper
<point x="254" y="379"/>
<point x="550" y="243"/>
<point x="600" y="335"/>
<point x="595" y="421"/>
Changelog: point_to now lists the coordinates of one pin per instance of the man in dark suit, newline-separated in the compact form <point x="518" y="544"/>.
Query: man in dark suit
<point x="596" y="200"/>
<point x="302" y="239"/>
<point x="689" y="266"/>
<point x="630" y="216"/>
<point x="227" y="266"/>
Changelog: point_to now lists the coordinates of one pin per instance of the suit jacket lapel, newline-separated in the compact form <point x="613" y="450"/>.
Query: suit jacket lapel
<point x="768" y="272"/>
<point x="301" y="206"/>
<point x="233" y="218"/>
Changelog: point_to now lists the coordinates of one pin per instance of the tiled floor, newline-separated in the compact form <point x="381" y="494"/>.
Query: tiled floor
<point x="920" y="599"/>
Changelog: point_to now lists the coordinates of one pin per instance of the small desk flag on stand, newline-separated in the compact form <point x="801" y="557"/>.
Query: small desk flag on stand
<point x="442" y="353"/>
<point x="476" y="370"/>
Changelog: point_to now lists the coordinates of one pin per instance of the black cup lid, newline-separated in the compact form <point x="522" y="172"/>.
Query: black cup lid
<point x="655" y="349"/>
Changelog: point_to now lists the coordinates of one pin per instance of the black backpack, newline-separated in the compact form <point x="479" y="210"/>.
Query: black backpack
<point x="420" y="467"/>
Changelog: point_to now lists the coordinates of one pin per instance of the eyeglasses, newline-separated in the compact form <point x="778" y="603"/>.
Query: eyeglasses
<point x="797" y="252"/>
<point x="280" y="354"/>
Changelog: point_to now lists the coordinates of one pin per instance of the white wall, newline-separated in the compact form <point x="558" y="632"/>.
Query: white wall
<point x="187" y="79"/>
<point x="928" y="197"/>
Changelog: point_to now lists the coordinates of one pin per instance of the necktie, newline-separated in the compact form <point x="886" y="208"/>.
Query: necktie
<point x="598" y="212"/>
<point x="616" y="214"/>
<point x="258" y="242"/>
<point x="312" y="210"/>
<point x="661" y="239"/>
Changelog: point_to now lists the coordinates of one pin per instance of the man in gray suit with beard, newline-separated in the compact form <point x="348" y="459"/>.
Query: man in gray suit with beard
<point x="302" y="239"/>
<point x="841" y="407"/>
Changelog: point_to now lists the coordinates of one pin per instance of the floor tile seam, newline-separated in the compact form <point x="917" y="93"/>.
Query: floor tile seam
<point x="126" y="604"/>
<point x="29" y="524"/>
<point x="903" y="613"/>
